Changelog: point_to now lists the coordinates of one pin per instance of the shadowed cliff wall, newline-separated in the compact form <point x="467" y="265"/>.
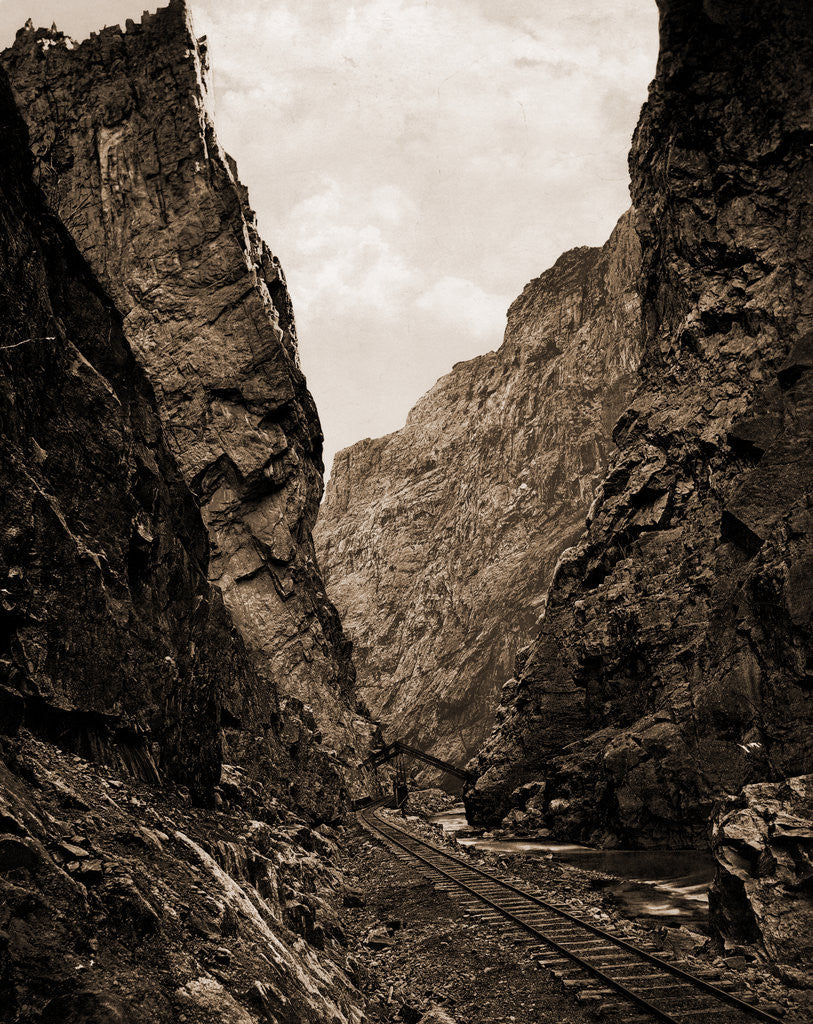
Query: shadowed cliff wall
<point x="673" y="662"/>
<point x="127" y="156"/>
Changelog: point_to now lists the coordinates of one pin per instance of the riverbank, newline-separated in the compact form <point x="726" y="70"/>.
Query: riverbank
<point x="664" y="887"/>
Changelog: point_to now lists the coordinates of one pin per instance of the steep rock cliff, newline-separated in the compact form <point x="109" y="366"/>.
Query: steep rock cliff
<point x="113" y="642"/>
<point x="119" y="899"/>
<point x="438" y="541"/>
<point x="674" y="661"/>
<point x="110" y="631"/>
<point x="128" y="158"/>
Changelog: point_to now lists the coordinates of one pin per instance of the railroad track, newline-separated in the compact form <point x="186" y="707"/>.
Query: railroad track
<point x="621" y="981"/>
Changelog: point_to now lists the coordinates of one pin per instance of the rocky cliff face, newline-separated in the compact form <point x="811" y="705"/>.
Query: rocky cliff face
<point x="110" y="631"/>
<point x="127" y="156"/>
<point x="438" y="541"/>
<point x="113" y="642"/>
<point x="119" y="665"/>
<point x="674" y="659"/>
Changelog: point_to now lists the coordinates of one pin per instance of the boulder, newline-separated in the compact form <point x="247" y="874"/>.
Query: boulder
<point x="762" y="840"/>
<point x="437" y="1015"/>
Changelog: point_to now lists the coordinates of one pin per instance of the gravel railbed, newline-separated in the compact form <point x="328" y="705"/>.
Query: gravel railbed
<point x="416" y="951"/>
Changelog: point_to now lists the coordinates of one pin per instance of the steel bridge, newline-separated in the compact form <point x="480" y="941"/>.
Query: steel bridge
<point x="400" y="752"/>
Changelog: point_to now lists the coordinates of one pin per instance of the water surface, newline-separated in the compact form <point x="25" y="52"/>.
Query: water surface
<point x="667" y="886"/>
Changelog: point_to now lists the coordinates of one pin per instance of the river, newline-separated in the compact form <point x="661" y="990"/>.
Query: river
<point x="666" y="886"/>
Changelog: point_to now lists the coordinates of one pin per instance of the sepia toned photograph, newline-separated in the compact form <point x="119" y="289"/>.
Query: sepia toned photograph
<point x="406" y="512"/>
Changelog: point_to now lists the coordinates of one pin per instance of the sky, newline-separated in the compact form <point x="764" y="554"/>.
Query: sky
<point x="412" y="164"/>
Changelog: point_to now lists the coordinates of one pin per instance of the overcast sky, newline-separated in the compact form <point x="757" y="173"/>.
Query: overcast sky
<point x="413" y="164"/>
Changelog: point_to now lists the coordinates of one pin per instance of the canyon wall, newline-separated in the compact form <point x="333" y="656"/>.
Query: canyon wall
<point x="673" y="662"/>
<point x="438" y="541"/>
<point x="121" y="899"/>
<point x="114" y="643"/>
<point x="126" y="153"/>
<point x="110" y="631"/>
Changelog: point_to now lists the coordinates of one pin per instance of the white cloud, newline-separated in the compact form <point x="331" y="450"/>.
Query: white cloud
<point x="460" y="304"/>
<point x="413" y="164"/>
<point x="345" y="250"/>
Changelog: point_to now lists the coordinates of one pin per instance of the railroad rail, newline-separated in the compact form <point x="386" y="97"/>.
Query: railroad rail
<point x="624" y="982"/>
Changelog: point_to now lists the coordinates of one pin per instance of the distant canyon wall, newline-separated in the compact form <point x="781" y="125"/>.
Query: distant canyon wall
<point x="438" y="542"/>
<point x="126" y="153"/>
<point x="674" y="660"/>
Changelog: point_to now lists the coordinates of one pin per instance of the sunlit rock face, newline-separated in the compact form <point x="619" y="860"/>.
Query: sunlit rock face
<point x="128" y="158"/>
<point x="438" y="541"/>
<point x="674" y="662"/>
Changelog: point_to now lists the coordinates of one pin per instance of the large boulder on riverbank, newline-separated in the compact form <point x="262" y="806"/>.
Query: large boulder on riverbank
<point x="763" y="890"/>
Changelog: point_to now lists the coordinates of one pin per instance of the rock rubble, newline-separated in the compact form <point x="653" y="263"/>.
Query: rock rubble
<point x="120" y="902"/>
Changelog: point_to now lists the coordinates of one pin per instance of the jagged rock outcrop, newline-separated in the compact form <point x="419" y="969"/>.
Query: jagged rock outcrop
<point x="128" y="158"/>
<point x="762" y="841"/>
<point x="674" y="660"/>
<point x="113" y="643"/>
<point x="438" y="541"/>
